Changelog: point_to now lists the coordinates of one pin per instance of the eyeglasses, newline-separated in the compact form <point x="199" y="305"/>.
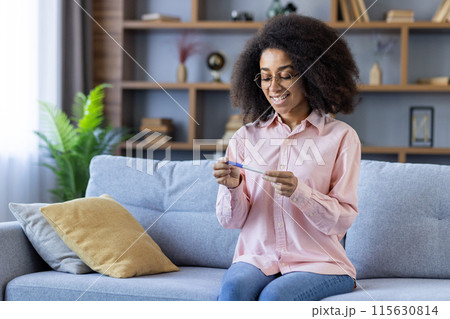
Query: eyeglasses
<point x="283" y="79"/>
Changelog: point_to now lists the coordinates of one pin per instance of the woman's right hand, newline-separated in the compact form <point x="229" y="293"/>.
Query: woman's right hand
<point x="226" y="174"/>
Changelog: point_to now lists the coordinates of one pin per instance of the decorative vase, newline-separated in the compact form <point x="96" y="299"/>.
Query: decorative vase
<point x="275" y="9"/>
<point x="181" y="73"/>
<point x="375" y="74"/>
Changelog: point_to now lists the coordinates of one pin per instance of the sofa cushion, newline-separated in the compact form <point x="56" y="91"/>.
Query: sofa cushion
<point x="391" y="289"/>
<point x="107" y="237"/>
<point x="403" y="225"/>
<point x="190" y="283"/>
<point x="46" y="240"/>
<point x="176" y="205"/>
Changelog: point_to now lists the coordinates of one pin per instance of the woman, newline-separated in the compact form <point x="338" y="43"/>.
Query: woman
<point x="292" y="74"/>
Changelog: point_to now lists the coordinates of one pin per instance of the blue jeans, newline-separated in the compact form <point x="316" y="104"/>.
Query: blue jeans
<point x="243" y="281"/>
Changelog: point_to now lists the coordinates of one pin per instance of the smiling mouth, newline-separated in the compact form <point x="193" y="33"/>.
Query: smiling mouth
<point x="279" y="99"/>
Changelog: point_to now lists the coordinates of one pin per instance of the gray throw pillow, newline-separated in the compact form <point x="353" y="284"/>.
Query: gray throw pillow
<point x="46" y="240"/>
<point x="402" y="229"/>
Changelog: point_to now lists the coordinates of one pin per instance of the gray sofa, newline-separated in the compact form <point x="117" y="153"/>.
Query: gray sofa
<point x="399" y="243"/>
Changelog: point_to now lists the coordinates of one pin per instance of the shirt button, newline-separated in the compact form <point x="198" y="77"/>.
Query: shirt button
<point x="283" y="264"/>
<point x="311" y="215"/>
<point x="282" y="167"/>
<point x="279" y="225"/>
<point x="294" y="199"/>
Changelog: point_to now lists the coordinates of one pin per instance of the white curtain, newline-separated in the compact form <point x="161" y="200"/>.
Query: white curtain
<point x="29" y="65"/>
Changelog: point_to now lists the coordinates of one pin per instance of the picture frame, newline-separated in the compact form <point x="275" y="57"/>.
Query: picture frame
<point x="421" y="126"/>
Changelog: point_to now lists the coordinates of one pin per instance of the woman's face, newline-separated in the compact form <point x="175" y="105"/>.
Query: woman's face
<point x="281" y="85"/>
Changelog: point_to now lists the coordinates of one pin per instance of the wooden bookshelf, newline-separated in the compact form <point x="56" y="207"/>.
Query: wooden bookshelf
<point x="113" y="66"/>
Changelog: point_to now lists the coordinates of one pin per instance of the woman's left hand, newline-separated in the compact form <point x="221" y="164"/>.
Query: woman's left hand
<point x="284" y="182"/>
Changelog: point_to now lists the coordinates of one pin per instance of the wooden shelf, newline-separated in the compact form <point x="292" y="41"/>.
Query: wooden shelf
<point x="385" y="25"/>
<point x="183" y="146"/>
<point x="144" y="85"/>
<point x="402" y="152"/>
<point x="230" y="25"/>
<point x="208" y="25"/>
<point x="404" y="88"/>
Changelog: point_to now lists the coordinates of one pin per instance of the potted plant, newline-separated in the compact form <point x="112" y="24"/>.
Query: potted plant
<point x="72" y="146"/>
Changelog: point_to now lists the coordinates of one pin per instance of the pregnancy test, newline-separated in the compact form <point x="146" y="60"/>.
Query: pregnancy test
<point x="245" y="167"/>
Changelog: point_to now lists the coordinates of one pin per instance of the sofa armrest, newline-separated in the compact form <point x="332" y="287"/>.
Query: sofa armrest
<point x="17" y="255"/>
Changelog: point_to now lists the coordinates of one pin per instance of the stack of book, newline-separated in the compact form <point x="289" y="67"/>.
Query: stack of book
<point x="443" y="12"/>
<point x="158" y="17"/>
<point x="234" y="123"/>
<point x="160" y="125"/>
<point x="393" y="16"/>
<point x="353" y="10"/>
<point x="437" y="80"/>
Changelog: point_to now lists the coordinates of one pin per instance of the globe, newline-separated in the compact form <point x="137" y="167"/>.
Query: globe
<point x="215" y="61"/>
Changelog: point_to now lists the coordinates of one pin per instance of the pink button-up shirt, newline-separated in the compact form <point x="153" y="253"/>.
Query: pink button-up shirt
<point x="302" y="232"/>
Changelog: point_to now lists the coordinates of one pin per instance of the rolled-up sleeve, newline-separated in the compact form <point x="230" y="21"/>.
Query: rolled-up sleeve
<point x="334" y="213"/>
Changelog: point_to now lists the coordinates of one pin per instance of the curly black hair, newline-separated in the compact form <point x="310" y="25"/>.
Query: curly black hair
<point x="330" y="83"/>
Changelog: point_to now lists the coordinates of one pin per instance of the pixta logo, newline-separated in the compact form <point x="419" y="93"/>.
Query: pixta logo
<point x="147" y="142"/>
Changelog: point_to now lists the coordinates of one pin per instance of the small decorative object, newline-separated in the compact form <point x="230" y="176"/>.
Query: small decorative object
<point x="234" y="123"/>
<point x="381" y="49"/>
<point x="241" y="16"/>
<point x="215" y="62"/>
<point x="275" y="9"/>
<point x="181" y="72"/>
<point x="186" y="48"/>
<point x="421" y="126"/>
<point x="375" y="74"/>
<point x="290" y="8"/>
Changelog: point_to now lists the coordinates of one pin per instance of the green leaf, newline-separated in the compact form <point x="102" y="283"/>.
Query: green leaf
<point x="93" y="109"/>
<point x="61" y="134"/>
<point x="78" y="106"/>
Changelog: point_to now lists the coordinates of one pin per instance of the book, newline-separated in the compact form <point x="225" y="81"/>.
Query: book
<point x="442" y="11"/>
<point x="164" y="129"/>
<point x="438" y="80"/>
<point x="344" y="10"/>
<point x="159" y="17"/>
<point x="362" y="9"/>
<point x="156" y="121"/>
<point x="355" y="10"/>
<point x="399" y="19"/>
<point x="400" y="13"/>
<point x="161" y="125"/>
<point x="400" y="16"/>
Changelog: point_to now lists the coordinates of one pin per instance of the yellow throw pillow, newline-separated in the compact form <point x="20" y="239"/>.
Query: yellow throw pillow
<point x="107" y="237"/>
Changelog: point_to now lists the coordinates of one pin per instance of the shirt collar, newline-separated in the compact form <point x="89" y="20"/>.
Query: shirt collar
<point x="316" y="118"/>
<point x="270" y="120"/>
